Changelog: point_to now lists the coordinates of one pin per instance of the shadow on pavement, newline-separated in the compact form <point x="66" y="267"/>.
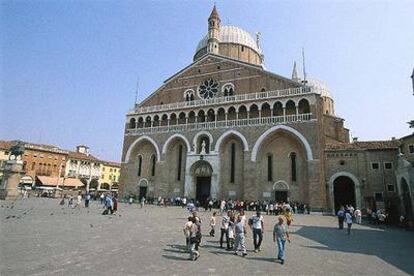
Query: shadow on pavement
<point x="176" y="258"/>
<point x="393" y="246"/>
<point x="266" y="259"/>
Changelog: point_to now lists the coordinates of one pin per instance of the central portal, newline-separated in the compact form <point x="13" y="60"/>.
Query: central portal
<point x="201" y="175"/>
<point x="281" y="196"/>
<point x="203" y="189"/>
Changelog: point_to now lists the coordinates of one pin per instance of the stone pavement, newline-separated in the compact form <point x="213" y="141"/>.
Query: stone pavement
<point x="39" y="237"/>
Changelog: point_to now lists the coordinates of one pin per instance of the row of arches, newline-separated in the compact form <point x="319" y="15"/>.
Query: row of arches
<point x="287" y="150"/>
<point x="222" y="114"/>
<point x="220" y="140"/>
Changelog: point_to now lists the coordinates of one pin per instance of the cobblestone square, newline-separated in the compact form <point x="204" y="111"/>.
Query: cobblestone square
<point x="40" y="237"/>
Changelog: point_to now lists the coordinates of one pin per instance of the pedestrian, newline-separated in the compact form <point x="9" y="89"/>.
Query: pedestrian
<point x="231" y="231"/>
<point x="240" y="242"/>
<point x="78" y="200"/>
<point x="102" y="198"/>
<point x="280" y="235"/>
<point x="70" y="202"/>
<point x="108" y="205"/>
<point x="198" y="233"/>
<point x="358" y="216"/>
<point x="341" y="217"/>
<point x="87" y="199"/>
<point x="194" y="253"/>
<point x="257" y="225"/>
<point x="222" y="206"/>
<point x="224" y="230"/>
<point x="289" y="218"/>
<point x="187" y="233"/>
<point x="115" y="204"/>
<point x="348" y="218"/>
<point x="210" y="204"/>
<point x="213" y="224"/>
<point x="142" y="202"/>
<point x="131" y="200"/>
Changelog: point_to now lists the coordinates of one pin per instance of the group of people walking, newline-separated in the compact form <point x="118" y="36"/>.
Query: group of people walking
<point x="233" y="232"/>
<point x="348" y="214"/>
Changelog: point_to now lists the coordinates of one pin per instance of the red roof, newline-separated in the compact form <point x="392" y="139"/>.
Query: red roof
<point x="83" y="156"/>
<point x="365" y="145"/>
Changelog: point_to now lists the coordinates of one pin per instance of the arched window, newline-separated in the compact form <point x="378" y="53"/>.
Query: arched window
<point x="139" y="165"/>
<point x="242" y="112"/>
<point x="181" y="118"/>
<point x="132" y="123"/>
<point x="303" y="107"/>
<point x="269" y="167"/>
<point x="153" y="160"/>
<point x="228" y="90"/>
<point x="173" y="119"/>
<point x="180" y="157"/>
<point x="232" y="162"/>
<point x="156" y="121"/>
<point x="293" y="165"/>
<point x="191" y="117"/>
<point x="189" y="95"/>
<point x="201" y="116"/>
<point x="140" y="122"/>
<point x="164" y="120"/>
<point x="148" y="121"/>
<point x="210" y="115"/>
<point x="278" y="109"/>
<point x="290" y="108"/>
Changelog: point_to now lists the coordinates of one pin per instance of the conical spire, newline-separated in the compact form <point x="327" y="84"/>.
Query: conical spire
<point x="214" y="13"/>
<point x="295" y="74"/>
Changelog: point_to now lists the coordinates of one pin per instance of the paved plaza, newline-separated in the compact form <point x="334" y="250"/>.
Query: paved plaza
<point x="39" y="237"/>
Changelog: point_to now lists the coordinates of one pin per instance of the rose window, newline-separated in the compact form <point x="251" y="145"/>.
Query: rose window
<point x="208" y="89"/>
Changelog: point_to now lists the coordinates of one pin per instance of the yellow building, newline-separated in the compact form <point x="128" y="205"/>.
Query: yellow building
<point x="109" y="175"/>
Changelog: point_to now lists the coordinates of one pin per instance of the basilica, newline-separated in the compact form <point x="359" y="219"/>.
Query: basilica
<point x="225" y="127"/>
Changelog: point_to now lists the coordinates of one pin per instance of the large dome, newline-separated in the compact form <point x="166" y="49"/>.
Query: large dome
<point x="232" y="34"/>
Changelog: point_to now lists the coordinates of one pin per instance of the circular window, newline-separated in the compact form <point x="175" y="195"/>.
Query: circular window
<point x="208" y="89"/>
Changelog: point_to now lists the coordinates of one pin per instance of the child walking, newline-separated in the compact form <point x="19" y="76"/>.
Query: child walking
<point x="213" y="224"/>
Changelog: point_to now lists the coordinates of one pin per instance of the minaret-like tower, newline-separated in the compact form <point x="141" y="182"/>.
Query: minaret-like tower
<point x="295" y="74"/>
<point x="213" y="32"/>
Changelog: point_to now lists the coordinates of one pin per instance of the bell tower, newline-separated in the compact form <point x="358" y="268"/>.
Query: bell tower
<point x="213" y="32"/>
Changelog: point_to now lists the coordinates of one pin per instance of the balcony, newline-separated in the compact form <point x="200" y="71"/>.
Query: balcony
<point x="274" y="120"/>
<point x="222" y="100"/>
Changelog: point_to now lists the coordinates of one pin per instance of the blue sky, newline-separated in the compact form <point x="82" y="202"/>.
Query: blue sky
<point x="69" y="68"/>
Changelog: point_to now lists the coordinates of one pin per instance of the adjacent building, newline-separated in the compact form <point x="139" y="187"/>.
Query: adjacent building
<point x="49" y="167"/>
<point x="110" y="172"/>
<point x="84" y="166"/>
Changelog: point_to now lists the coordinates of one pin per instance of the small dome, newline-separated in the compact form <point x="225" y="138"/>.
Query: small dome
<point x="232" y="34"/>
<point x="320" y="87"/>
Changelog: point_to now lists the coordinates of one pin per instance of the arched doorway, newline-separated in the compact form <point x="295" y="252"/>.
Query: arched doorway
<point x="406" y="199"/>
<point x="202" y="172"/>
<point x="143" y="188"/>
<point x="344" y="191"/>
<point x="281" y="189"/>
